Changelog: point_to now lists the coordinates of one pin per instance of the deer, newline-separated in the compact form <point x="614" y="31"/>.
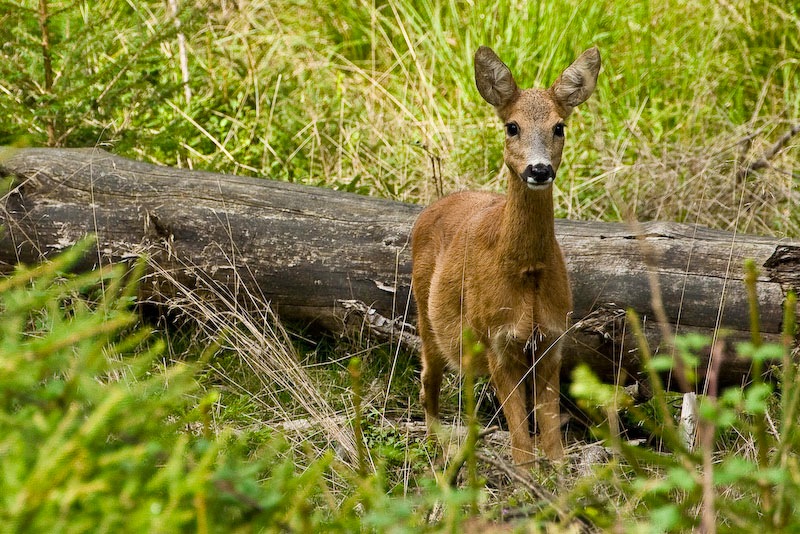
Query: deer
<point x="491" y="263"/>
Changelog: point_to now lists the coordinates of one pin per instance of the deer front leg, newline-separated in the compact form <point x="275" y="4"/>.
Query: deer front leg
<point x="547" y="402"/>
<point x="509" y="384"/>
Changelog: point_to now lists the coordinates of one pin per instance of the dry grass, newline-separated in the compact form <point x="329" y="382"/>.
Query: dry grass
<point x="711" y="184"/>
<point x="266" y="368"/>
<point x="380" y="100"/>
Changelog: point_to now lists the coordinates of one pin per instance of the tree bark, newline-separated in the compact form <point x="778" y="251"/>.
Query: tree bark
<point x="336" y="258"/>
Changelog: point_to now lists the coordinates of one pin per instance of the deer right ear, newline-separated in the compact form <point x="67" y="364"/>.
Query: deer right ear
<point x="577" y="82"/>
<point x="493" y="78"/>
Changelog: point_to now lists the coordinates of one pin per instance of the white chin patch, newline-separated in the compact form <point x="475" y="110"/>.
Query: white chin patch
<point x="533" y="184"/>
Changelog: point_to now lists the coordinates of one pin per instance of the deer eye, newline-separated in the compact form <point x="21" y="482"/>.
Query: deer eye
<point x="512" y="129"/>
<point x="558" y="129"/>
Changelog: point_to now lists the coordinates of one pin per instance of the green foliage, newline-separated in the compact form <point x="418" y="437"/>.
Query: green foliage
<point x="98" y="433"/>
<point x="740" y="474"/>
<point x="102" y="67"/>
<point x="377" y="97"/>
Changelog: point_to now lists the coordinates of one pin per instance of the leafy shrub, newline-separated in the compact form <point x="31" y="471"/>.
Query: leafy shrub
<point x="99" y="434"/>
<point x="741" y="472"/>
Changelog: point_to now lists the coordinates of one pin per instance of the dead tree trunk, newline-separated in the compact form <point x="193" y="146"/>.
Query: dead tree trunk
<point x="333" y="258"/>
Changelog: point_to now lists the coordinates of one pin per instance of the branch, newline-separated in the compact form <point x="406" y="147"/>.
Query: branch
<point x="770" y="153"/>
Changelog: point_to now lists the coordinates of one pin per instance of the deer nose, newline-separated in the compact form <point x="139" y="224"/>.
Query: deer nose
<point x="538" y="174"/>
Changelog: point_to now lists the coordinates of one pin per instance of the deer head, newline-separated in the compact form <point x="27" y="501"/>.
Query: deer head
<point x="534" y="118"/>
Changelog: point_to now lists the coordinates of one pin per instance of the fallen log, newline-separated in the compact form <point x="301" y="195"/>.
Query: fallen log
<point x="339" y="259"/>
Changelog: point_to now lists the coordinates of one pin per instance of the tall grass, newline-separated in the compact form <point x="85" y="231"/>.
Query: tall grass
<point x="257" y="359"/>
<point x="371" y="96"/>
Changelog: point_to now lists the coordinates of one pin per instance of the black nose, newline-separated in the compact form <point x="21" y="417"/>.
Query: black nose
<point x="540" y="173"/>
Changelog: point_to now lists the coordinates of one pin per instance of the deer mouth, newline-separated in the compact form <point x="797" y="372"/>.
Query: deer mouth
<point x="534" y="185"/>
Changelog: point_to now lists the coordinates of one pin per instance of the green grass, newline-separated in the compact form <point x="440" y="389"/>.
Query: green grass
<point x="377" y="97"/>
<point x="360" y="96"/>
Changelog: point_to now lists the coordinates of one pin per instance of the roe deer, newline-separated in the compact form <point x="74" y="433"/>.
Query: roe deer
<point x="492" y="264"/>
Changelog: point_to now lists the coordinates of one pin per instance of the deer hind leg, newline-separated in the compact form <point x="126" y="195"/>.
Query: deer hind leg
<point x="509" y="384"/>
<point x="433" y="364"/>
<point x="432" y="372"/>
<point x="547" y="403"/>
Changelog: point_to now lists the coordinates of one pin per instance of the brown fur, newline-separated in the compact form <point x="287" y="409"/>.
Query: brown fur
<point x="492" y="264"/>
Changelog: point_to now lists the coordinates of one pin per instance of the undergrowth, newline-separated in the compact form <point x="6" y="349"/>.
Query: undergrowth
<point x="737" y="472"/>
<point x="102" y="428"/>
<point x="100" y="432"/>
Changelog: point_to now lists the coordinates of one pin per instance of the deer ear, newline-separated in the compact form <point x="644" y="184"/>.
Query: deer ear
<point x="493" y="78"/>
<point x="577" y="82"/>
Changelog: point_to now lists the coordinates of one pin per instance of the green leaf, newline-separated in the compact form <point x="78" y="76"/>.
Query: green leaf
<point x="769" y="351"/>
<point x="681" y="479"/>
<point x="756" y="397"/>
<point x="721" y="415"/>
<point x="662" y="364"/>
<point x="665" y="518"/>
<point x="587" y="387"/>
<point x="734" y="469"/>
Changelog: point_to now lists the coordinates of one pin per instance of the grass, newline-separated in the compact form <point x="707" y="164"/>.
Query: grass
<point x="377" y="97"/>
<point x="365" y="95"/>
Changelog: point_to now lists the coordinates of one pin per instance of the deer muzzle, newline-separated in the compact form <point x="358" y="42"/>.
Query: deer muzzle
<point x="538" y="176"/>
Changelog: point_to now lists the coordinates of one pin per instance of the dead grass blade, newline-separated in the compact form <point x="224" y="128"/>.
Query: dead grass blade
<point x="244" y="324"/>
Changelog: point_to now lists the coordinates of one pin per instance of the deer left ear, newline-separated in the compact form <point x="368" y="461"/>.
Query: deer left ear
<point x="577" y="82"/>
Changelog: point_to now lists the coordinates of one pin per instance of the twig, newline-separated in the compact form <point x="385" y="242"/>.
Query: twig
<point x="436" y="167"/>
<point x="47" y="61"/>
<point x="488" y="431"/>
<point x="358" y="431"/>
<point x="517" y="475"/>
<point x="463" y="456"/>
<point x="357" y="313"/>
<point x="770" y="153"/>
<point x="183" y="58"/>
<point x="706" y="432"/>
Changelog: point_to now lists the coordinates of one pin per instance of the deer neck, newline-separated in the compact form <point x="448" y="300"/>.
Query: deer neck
<point x="528" y="230"/>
